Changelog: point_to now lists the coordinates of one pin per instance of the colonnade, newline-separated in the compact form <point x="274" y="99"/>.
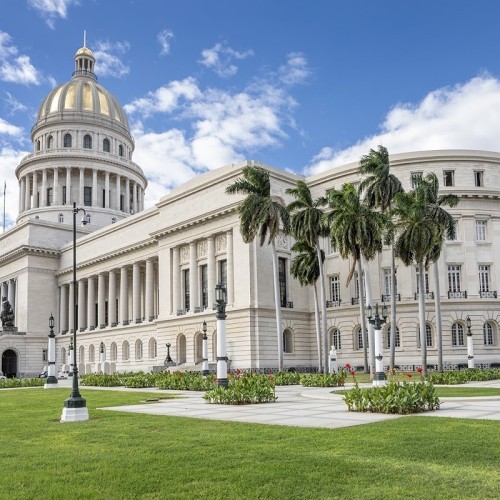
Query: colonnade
<point x="120" y="296"/>
<point x="34" y="192"/>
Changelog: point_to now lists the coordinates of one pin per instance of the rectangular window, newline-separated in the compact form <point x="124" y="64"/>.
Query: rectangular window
<point x="453" y="278"/>
<point x="416" y="177"/>
<point x="335" y="288"/>
<point x="50" y="200"/>
<point x="478" y="178"/>
<point x="360" y="338"/>
<point x="484" y="279"/>
<point x="87" y="196"/>
<point x="448" y="178"/>
<point x="282" y="280"/>
<point x="106" y="313"/>
<point x="103" y="198"/>
<point x="204" y="285"/>
<point x="426" y="280"/>
<point x="222" y="265"/>
<point x="387" y="280"/>
<point x="122" y="198"/>
<point x="185" y="281"/>
<point x="480" y="230"/>
<point x="64" y="195"/>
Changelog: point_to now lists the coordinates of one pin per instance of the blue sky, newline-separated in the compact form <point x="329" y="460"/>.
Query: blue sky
<point x="298" y="85"/>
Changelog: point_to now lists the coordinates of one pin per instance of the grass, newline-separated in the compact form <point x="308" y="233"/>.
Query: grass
<point x="124" y="455"/>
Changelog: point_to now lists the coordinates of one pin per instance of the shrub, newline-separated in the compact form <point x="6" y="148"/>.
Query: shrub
<point x="101" y="380"/>
<point x="286" y="378"/>
<point x="324" y="379"/>
<point x="184" y="381"/>
<point x="10" y="383"/>
<point x="463" y="376"/>
<point x="399" y="398"/>
<point x="248" y="388"/>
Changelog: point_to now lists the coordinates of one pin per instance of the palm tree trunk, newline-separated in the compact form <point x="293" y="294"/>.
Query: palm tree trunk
<point x="323" y="308"/>
<point x="421" y="316"/>
<point x="392" y="360"/>
<point x="439" y="324"/>
<point x="371" y="330"/>
<point x="363" y="316"/>
<point x="318" y="328"/>
<point x="278" y="306"/>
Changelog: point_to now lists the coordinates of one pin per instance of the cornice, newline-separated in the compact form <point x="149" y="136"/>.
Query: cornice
<point x="24" y="250"/>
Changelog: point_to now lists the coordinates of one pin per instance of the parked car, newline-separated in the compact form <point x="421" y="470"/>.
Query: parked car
<point x="64" y="374"/>
<point x="43" y="374"/>
<point x="3" y="377"/>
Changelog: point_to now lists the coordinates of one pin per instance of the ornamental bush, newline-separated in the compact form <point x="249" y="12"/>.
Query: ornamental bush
<point x="10" y="383"/>
<point x="184" y="381"/>
<point x="101" y="380"/>
<point x="286" y="378"/>
<point x="248" y="388"/>
<point x="463" y="376"/>
<point x="324" y="379"/>
<point x="395" y="397"/>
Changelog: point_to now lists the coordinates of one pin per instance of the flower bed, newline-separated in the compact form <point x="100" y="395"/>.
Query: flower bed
<point x="463" y="376"/>
<point x="398" y="398"/>
<point x="324" y="379"/>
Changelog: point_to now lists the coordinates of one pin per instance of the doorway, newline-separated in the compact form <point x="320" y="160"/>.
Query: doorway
<point x="9" y="363"/>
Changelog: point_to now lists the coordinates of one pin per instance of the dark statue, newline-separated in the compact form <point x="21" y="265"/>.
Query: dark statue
<point x="7" y="314"/>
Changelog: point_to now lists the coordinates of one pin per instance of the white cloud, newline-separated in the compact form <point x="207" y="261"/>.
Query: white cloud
<point x="13" y="104"/>
<point x="164" y="40"/>
<point x="108" y="60"/>
<point x="165" y="99"/>
<point x="7" y="128"/>
<point x="52" y="9"/>
<point x="460" y="117"/>
<point x="15" y="67"/>
<point x="296" y="70"/>
<point x="220" y="58"/>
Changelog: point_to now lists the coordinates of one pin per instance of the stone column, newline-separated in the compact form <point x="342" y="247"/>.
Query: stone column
<point x="148" y="306"/>
<point x="81" y="185"/>
<point x="230" y="266"/>
<point x="112" y="298"/>
<point x="71" y="309"/>
<point x="211" y="271"/>
<point x="101" y="300"/>
<point x="63" y="310"/>
<point x="193" y="277"/>
<point x="82" y="310"/>
<point x="124" y="295"/>
<point x="91" y="303"/>
<point x="22" y="193"/>
<point x="68" y="186"/>
<point x="127" y="196"/>
<point x="11" y="293"/>
<point x="136" y="293"/>
<point x="56" y="197"/>
<point x="4" y="289"/>
<point x="44" y="188"/>
<point x="94" y="188"/>
<point x="118" y="191"/>
<point x="134" y="197"/>
<point x="176" y="280"/>
<point x="106" y="190"/>
<point x="27" y="187"/>
<point x="35" y="190"/>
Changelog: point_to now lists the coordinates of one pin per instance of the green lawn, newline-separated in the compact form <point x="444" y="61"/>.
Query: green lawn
<point x="123" y="455"/>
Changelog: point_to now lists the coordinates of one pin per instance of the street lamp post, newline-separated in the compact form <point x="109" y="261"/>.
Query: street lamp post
<point x="470" y="345"/>
<point x="220" y="298"/>
<point x="51" y="381"/>
<point x="168" y="359"/>
<point x="377" y="322"/>
<point x="75" y="408"/>
<point x="204" y="348"/>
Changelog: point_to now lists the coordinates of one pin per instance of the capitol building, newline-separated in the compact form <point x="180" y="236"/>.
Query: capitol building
<point x="146" y="277"/>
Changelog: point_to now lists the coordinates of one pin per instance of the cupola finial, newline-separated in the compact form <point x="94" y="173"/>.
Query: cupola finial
<point x="84" y="38"/>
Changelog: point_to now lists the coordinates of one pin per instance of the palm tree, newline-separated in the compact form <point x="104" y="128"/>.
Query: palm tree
<point x="420" y="229"/>
<point x="356" y="232"/>
<point x="307" y="225"/>
<point x="262" y="214"/>
<point x="306" y="269"/>
<point x="380" y="187"/>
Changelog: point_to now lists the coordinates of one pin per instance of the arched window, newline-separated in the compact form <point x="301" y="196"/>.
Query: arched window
<point x="457" y="334"/>
<point x="397" y="338"/>
<point x="153" y="346"/>
<point x="358" y="338"/>
<point x="67" y="141"/>
<point x="91" y="353"/>
<point x="37" y="145"/>
<point x="488" y="334"/>
<point x="120" y="150"/>
<point x="50" y="142"/>
<point x="428" y="336"/>
<point x="181" y="349"/>
<point x="125" y="351"/>
<point x="288" y="341"/>
<point x="198" y="347"/>
<point x="81" y="355"/>
<point x="87" y="141"/>
<point x="113" y="351"/>
<point x="335" y="338"/>
<point x="105" y="145"/>
<point x="61" y="218"/>
<point x="138" y="349"/>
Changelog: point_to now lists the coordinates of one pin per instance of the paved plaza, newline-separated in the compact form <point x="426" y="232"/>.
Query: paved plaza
<point x="304" y="407"/>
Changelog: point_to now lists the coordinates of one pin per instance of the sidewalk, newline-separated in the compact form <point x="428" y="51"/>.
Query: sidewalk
<point x="304" y="407"/>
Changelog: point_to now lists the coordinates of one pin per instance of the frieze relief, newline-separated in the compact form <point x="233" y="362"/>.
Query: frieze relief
<point x="282" y="241"/>
<point x="202" y="248"/>
<point x="221" y="243"/>
<point x="184" y="254"/>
